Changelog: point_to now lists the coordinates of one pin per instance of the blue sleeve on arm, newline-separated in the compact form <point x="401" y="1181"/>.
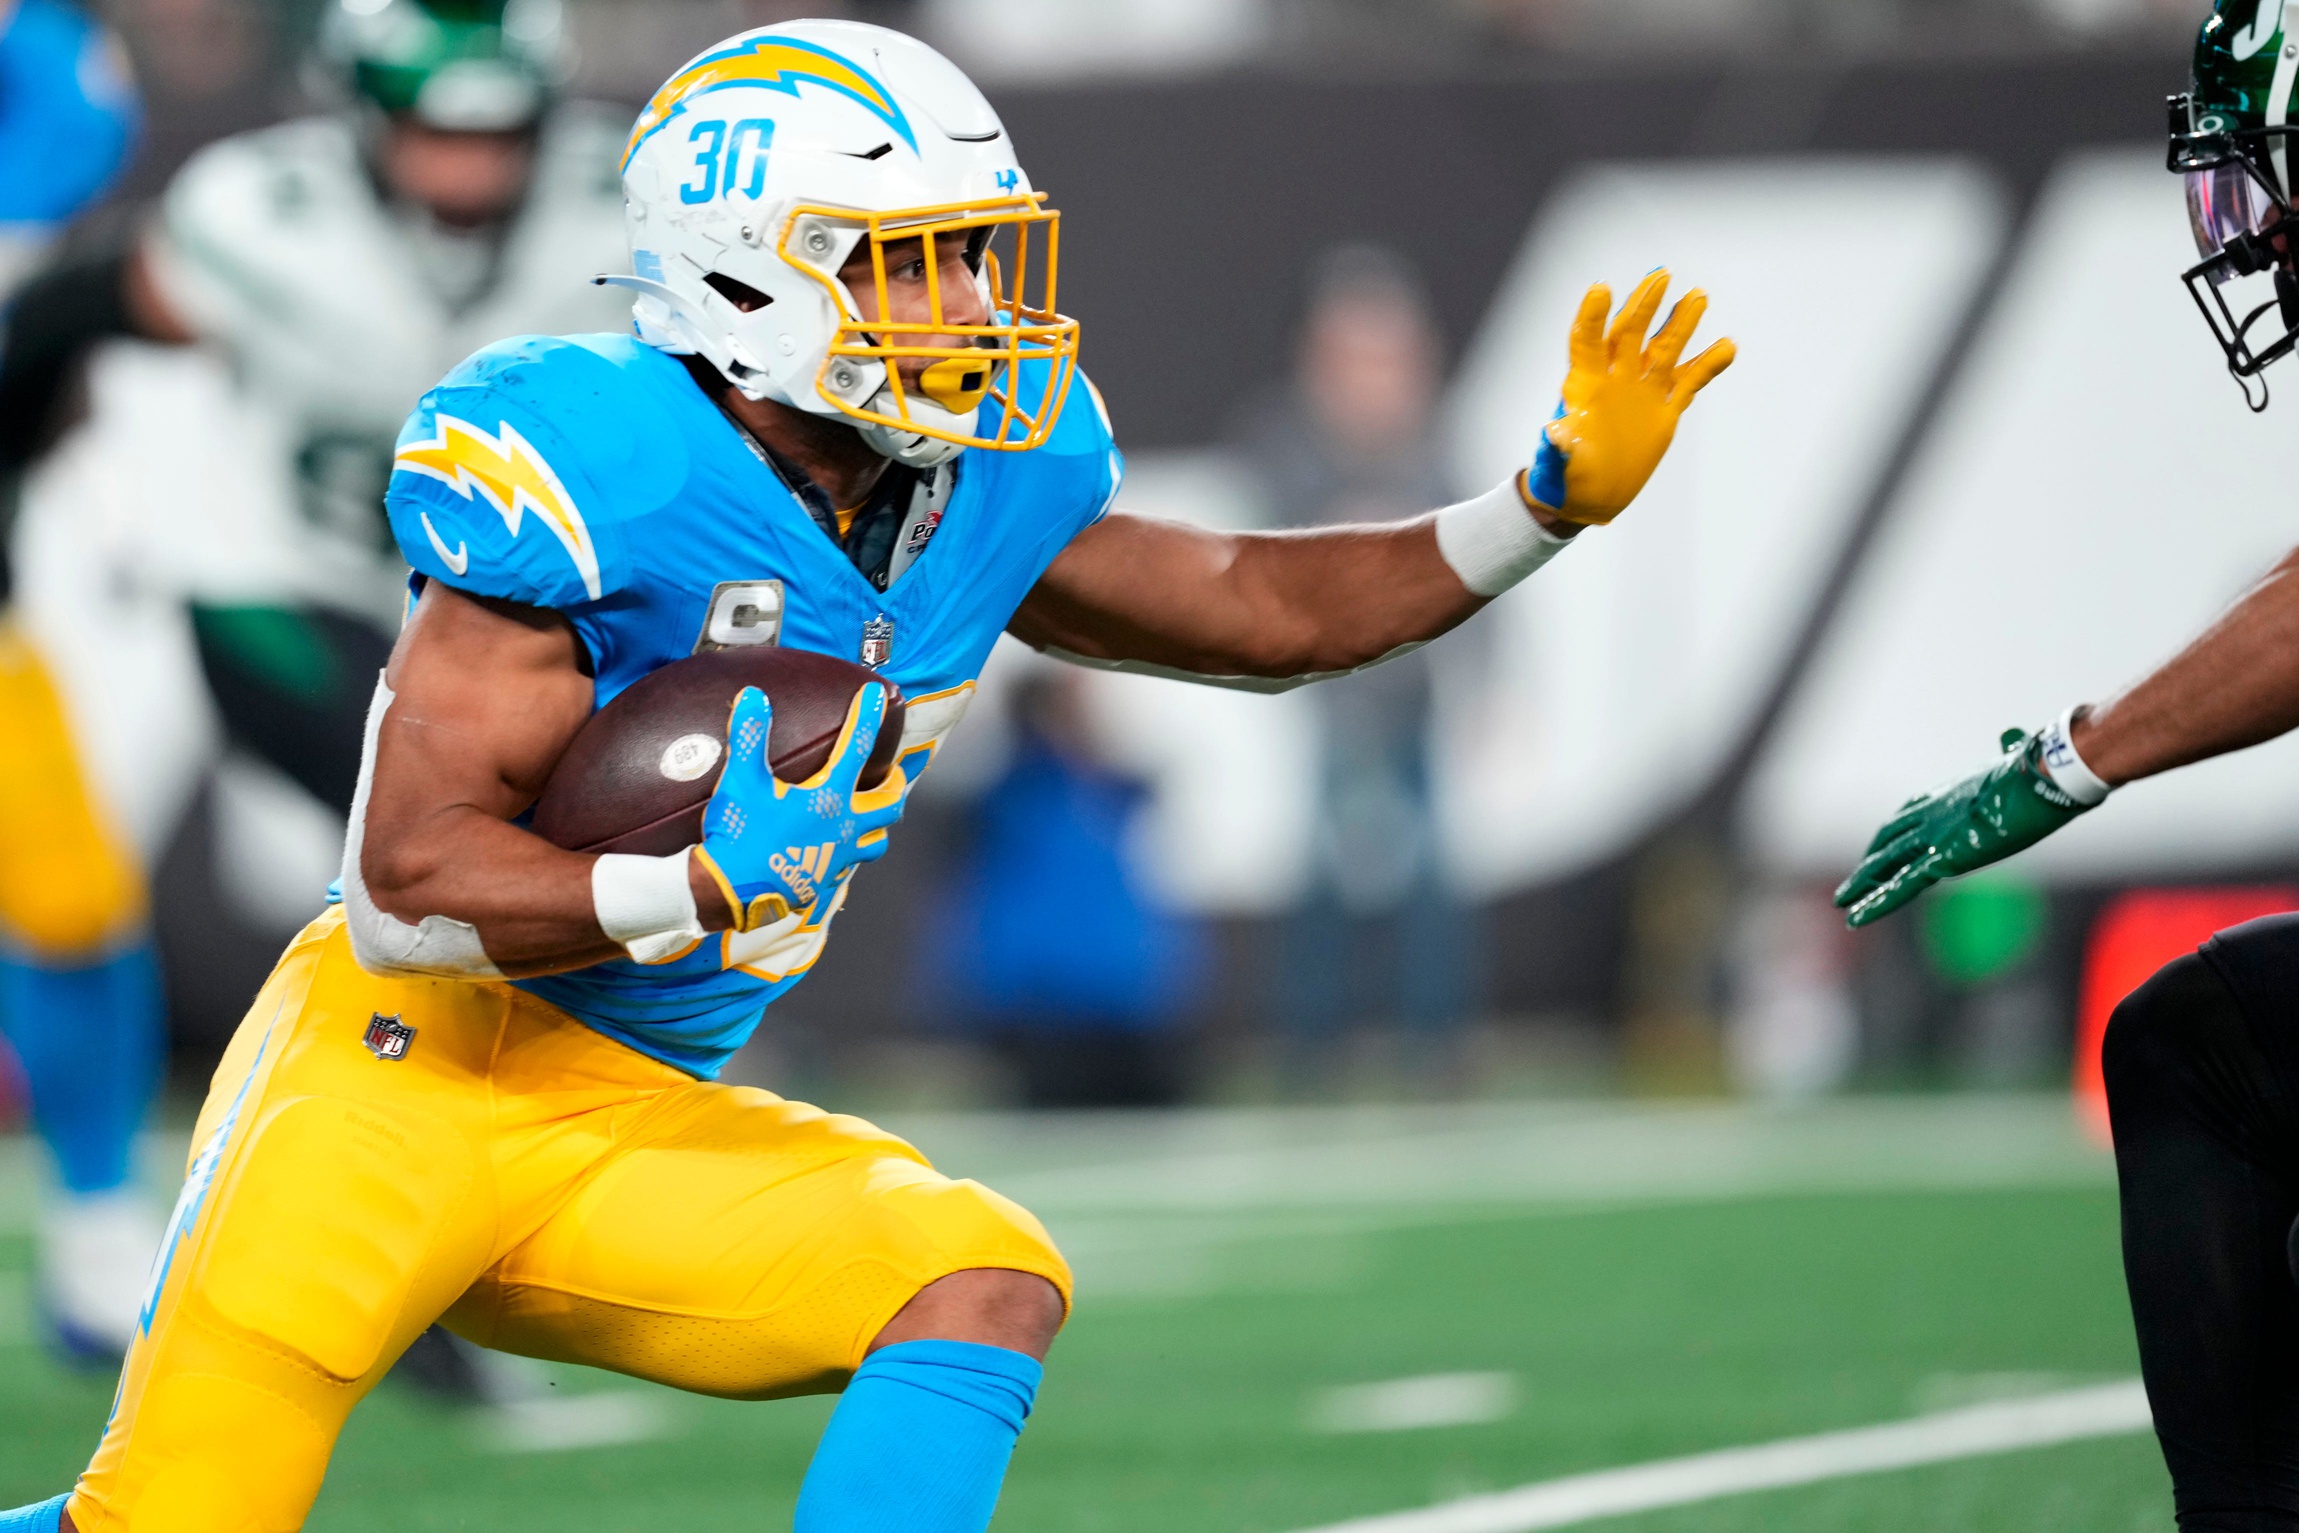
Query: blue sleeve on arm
<point x="1080" y="456"/>
<point x="67" y="113"/>
<point x="1112" y="472"/>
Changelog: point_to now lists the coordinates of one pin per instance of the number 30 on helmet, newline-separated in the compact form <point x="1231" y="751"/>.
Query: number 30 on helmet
<point x="2231" y="137"/>
<point x="767" y="165"/>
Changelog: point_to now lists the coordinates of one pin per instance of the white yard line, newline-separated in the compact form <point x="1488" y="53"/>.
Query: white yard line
<point x="2104" y="1410"/>
<point x="1411" y="1405"/>
<point x="578" y="1421"/>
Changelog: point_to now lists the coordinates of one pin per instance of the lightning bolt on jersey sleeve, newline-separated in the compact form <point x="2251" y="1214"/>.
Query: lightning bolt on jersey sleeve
<point x="590" y="474"/>
<point x="519" y="476"/>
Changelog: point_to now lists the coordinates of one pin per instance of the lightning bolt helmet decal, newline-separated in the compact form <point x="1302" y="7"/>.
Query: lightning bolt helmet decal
<point x="773" y="63"/>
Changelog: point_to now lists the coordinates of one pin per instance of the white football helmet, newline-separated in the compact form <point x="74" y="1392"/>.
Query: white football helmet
<point x="767" y="161"/>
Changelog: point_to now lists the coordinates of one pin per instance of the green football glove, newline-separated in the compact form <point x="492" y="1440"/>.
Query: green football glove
<point x="1954" y="829"/>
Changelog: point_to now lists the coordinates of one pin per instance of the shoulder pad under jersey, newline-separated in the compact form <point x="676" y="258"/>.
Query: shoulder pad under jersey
<point x="1079" y="460"/>
<point x="521" y="474"/>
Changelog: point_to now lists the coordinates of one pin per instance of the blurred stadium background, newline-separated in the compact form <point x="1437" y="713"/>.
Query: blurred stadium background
<point x="1501" y="1041"/>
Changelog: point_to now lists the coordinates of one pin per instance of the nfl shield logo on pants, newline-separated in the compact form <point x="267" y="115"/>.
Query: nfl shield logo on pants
<point x="388" y="1037"/>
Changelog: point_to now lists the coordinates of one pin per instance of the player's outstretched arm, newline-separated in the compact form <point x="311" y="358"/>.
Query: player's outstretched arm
<point x="2236" y="685"/>
<point x="1281" y="608"/>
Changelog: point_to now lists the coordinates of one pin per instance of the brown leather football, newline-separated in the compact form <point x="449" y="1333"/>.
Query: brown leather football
<point x="637" y="774"/>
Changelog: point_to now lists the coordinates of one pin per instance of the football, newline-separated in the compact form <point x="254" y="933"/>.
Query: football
<point x="636" y="776"/>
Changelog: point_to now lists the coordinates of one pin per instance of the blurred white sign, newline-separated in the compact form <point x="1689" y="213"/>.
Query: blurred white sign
<point x="1627" y="669"/>
<point x="2095" y="493"/>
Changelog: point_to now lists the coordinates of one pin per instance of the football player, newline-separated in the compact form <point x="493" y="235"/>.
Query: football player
<point x="484" y="1086"/>
<point x="334" y="267"/>
<point x="2202" y="1062"/>
<point x="79" y="996"/>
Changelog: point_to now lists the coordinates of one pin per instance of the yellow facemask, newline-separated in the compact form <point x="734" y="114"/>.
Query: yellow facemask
<point x="979" y="371"/>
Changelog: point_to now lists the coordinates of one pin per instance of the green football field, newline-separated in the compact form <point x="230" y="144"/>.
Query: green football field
<point x="1288" y="1319"/>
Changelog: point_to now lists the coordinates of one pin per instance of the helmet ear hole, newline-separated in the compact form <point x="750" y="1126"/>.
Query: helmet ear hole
<point x="742" y="295"/>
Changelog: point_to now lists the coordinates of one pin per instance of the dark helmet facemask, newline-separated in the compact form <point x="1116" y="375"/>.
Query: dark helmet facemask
<point x="2245" y="231"/>
<point x="2231" y="142"/>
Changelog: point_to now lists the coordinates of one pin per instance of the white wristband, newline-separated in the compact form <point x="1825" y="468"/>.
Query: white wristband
<point x="1493" y="542"/>
<point x="646" y="904"/>
<point x="2064" y="767"/>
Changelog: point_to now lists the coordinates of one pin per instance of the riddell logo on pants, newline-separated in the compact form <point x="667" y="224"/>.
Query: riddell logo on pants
<point x="802" y="869"/>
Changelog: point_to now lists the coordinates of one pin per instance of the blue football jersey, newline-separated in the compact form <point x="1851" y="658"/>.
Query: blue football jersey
<point x="589" y="474"/>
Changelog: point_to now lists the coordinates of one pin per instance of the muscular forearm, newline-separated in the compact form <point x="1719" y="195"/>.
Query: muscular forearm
<point x="2236" y="685"/>
<point x="1339" y="598"/>
<point x="529" y="902"/>
<point x="1272" y="605"/>
<point x="479" y="701"/>
<point x="532" y="904"/>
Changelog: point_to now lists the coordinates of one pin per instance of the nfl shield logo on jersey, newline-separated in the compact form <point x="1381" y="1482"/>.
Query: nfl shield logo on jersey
<point x="878" y="641"/>
<point x="388" y="1037"/>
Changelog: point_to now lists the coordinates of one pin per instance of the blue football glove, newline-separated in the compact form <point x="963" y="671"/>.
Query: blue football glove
<point x="776" y="848"/>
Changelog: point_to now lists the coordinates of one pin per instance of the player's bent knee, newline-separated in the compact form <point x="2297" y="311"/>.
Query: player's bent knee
<point x="985" y="1270"/>
<point x="223" y="1456"/>
<point x="991" y="1306"/>
<point x="976" y="1229"/>
<point x="2173" y="1048"/>
<point x="769" y="1320"/>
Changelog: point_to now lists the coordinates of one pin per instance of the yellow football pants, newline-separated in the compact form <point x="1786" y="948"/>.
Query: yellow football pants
<point x="542" y="1188"/>
<point x="68" y="885"/>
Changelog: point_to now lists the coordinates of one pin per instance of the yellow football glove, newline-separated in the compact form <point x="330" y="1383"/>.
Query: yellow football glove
<point x="1622" y="400"/>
